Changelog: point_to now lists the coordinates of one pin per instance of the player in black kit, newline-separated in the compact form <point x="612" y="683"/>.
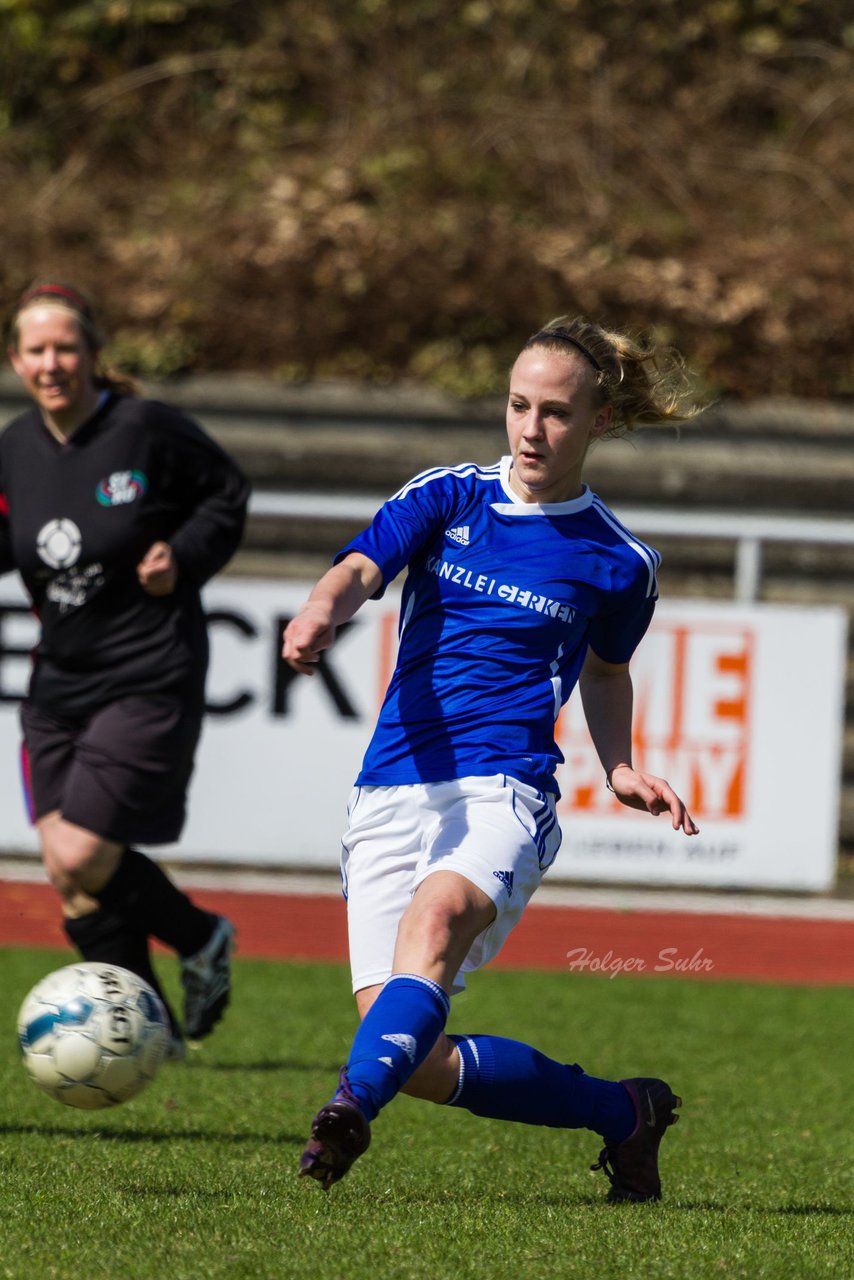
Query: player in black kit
<point x="115" y="510"/>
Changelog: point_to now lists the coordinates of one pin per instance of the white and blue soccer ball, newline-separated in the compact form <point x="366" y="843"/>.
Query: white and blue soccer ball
<point x="93" y="1035"/>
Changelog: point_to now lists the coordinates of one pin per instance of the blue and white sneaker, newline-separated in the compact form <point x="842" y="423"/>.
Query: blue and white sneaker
<point x="206" y="979"/>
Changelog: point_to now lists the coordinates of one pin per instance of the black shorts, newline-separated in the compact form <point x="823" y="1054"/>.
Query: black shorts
<point x="122" y="772"/>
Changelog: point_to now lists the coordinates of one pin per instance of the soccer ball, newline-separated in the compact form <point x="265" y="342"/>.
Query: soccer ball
<point x="93" y="1035"/>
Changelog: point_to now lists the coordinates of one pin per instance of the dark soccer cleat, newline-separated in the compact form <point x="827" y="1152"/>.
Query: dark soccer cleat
<point x="631" y="1166"/>
<point x="339" y="1135"/>
<point x="206" y="978"/>
<point x="176" y="1050"/>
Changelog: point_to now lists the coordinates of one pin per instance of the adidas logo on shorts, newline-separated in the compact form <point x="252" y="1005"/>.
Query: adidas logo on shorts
<point x="506" y="878"/>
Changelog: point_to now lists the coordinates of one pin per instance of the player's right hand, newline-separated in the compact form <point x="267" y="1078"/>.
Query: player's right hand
<point x="305" y="637"/>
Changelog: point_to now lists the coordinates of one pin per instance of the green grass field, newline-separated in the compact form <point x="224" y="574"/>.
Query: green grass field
<point x="196" y="1177"/>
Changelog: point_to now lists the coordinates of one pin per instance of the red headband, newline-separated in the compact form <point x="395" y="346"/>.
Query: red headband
<point x="59" y="290"/>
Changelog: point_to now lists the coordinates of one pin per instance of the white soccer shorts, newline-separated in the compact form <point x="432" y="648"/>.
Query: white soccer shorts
<point x="496" y="831"/>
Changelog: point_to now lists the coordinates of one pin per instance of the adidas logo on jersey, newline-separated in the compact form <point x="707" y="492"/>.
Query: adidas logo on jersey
<point x="506" y="878"/>
<point x="460" y="534"/>
<point x="406" y="1043"/>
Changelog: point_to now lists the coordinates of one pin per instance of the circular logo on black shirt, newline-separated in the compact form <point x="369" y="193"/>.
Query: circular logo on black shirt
<point x="58" y="543"/>
<point x="121" y="487"/>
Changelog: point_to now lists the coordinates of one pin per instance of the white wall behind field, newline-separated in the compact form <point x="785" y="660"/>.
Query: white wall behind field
<point x="721" y="710"/>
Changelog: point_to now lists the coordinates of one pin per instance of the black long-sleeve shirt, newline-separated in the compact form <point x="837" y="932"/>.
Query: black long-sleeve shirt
<point x="76" y="519"/>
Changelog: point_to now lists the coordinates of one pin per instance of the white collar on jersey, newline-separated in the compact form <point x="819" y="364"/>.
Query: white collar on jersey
<point x="516" y="507"/>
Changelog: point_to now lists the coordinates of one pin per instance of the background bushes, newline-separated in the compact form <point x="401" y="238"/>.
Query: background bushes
<point x="371" y="189"/>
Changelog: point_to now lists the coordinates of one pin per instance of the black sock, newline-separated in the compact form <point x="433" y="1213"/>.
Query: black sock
<point x="108" y="939"/>
<point x="144" y="895"/>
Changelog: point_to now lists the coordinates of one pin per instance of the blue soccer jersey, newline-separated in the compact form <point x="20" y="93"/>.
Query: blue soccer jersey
<point x="500" y="603"/>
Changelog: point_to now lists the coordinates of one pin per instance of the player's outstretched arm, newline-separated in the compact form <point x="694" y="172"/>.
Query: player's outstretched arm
<point x="606" y="692"/>
<point x="339" y="594"/>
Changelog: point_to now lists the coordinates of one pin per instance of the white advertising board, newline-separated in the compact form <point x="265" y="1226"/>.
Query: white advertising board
<point x="739" y="706"/>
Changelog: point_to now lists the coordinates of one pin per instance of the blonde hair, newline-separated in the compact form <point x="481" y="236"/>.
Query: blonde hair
<point x="644" y="383"/>
<point x="54" y="293"/>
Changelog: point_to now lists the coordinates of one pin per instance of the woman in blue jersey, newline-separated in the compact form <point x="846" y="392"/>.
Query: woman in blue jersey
<point x="520" y="584"/>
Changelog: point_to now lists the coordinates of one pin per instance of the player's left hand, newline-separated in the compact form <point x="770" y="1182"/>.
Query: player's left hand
<point x="157" y="571"/>
<point x="644" y="791"/>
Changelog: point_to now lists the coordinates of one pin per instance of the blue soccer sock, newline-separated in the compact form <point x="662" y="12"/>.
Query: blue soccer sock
<point x="397" y="1033"/>
<point x="507" y="1080"/>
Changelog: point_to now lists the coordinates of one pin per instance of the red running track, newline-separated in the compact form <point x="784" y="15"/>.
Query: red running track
<point x="579" y="939"/>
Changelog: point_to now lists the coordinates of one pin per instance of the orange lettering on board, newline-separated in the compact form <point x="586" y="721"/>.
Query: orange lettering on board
<point x="680" y="639"/>
<point x="733" y="708"/>
<point x="691" y="724"/>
